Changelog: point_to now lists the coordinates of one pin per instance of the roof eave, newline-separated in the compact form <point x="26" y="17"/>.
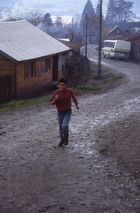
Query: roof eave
<point x="8" y="56"/>
<point x="30" y="59"/>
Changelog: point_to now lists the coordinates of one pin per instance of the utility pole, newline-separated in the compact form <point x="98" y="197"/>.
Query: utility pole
<point x="72" y="33"/>
<point x="86" y="36"/>
<point x="100" y="42"/>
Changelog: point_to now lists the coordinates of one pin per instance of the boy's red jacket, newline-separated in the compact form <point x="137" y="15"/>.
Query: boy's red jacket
<point x="64" y="101"/>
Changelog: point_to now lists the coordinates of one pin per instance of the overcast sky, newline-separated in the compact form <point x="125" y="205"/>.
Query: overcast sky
<point x="60" y="4"/>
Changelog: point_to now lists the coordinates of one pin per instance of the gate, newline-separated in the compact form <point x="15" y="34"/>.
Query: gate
<point x="7" y="87"/>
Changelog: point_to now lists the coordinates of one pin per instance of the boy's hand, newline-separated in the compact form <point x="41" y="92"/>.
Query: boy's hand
<point x="56" y="97"/>
<point x="77" y="107"/>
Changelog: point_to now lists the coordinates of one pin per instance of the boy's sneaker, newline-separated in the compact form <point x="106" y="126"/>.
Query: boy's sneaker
<point x="66" y="142"/>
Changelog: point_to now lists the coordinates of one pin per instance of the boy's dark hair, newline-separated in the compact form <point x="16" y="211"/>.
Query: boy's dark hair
<point x="62" y="80"/>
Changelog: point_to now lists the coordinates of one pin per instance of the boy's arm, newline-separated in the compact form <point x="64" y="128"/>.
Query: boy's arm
<point x="53" y="98"/>
<point x="75" y="100"/>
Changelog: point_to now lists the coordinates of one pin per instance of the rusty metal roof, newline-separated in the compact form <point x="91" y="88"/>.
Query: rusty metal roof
<point x="72" y="45"/>
<point x="20" y="41"/>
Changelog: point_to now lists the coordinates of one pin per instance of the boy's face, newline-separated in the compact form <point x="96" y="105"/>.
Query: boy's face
<point x="62" y="86"/>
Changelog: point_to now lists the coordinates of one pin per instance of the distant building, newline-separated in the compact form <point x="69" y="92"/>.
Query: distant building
<point x="76" y="64"/>
<point x="118" y="33"/>
<point x="132" y="27"/>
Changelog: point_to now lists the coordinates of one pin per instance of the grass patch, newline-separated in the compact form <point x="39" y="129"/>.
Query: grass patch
<point x="108" y="75"/>
<point x="77" y="91"/>
<point x="112" y="77"/>
<point x="91" y="87"/>
<point x="93" y="65"/>
<point x="15" y="104"/>
<point x="115" y="78"/>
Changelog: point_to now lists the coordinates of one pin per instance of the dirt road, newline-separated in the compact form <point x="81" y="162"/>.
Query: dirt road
<point x="98" y="172"/>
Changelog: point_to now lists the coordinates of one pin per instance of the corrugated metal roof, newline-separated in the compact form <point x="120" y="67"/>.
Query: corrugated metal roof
<point x="72" y="45"/>
<point x="22" y="41"/>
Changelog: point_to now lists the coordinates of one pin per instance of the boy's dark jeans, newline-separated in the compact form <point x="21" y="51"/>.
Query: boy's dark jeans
<point x="63" y="119"/>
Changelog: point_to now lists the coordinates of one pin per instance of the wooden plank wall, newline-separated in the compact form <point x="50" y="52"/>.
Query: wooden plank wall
<point x="6" y="67"/>
<point x="34" y="83"/>
<point x="24" y="85"/>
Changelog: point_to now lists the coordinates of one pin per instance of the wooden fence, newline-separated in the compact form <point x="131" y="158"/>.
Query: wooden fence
<point x="7" y="87"/>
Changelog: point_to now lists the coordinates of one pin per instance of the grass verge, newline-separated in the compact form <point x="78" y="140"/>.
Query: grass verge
<point x="91" y="87"/>
<point x="112" y="77"/>
<point x="16" y="104"/>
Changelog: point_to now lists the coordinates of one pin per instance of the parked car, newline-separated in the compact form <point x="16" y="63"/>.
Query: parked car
<point x="116" y="49"/>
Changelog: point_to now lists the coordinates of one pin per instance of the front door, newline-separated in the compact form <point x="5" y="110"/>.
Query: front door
<point x="7" y="87"/>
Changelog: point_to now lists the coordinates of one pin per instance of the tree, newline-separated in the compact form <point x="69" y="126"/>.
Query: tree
<point x="33" y="17"/>
<point x="47" y="20"/>
<point x="59" y="22"/>
<point x="98" y="9"/>
<point x="110" y="16"/>
<point x="124" y="12"/>
<point x="46" y="23"/>
<point x="88" y="10"/>
<point x="119" y="11"/>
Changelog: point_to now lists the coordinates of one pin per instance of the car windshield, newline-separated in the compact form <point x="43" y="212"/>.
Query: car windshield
<point x="109" y="44"/>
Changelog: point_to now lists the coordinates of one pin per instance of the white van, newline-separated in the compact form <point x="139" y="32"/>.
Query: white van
<point x="116" y="49"/>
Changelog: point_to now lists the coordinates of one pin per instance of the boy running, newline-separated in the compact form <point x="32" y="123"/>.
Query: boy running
<point x="62" y="99"/>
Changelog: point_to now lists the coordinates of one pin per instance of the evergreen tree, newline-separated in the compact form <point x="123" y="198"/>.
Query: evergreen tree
<point x="47" y="21"/>
<point x="59" y="22"/>
<point x="98" y="9"/>
<point x="119" y="11"/>
<point x="110" y="16"/>
<point x="124" y="11"/>
<point x="88" y="9"/>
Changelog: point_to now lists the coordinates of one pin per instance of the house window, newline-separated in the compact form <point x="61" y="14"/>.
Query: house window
<point x="48" y="64"/>
<point x="61" y="62"/>
<point x="40" y="67"/>
<point x="28" y="69"/>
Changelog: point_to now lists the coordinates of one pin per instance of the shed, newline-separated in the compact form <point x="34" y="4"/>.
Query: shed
<point x="30" y="59"/>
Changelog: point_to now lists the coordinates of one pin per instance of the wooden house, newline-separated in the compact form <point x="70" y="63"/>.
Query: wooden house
<point x="117" y="33"/>
<point x="30" y="60"/>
